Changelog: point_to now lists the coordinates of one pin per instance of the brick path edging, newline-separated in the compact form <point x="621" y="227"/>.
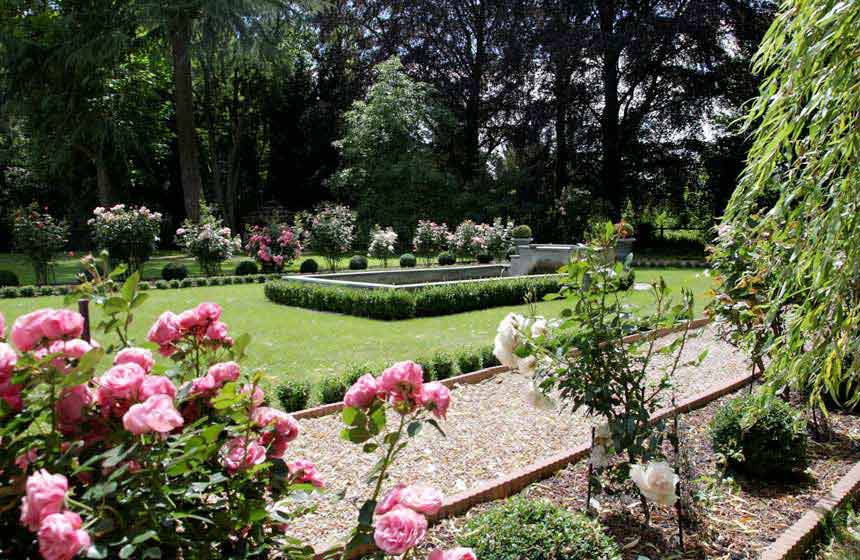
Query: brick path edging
<point x="794" y="541"/>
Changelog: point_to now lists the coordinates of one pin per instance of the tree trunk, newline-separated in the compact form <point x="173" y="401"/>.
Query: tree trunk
<point x="189" y="163"/>
<point x="473" y="103"/>
<point x="612" y="176"/>
<point x="562" y="75"/>
<point x="103" y="182"/>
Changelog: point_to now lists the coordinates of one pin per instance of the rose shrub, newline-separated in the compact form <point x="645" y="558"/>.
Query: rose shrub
<point x="382" y="243"/>
<point x="130" y="234"/>
<point x="332" y="232"/>
<point x="39" y="236"/>
<point x="430" y="238"/>
<point x="274" y="246"/>
<point x="208" y="241"/>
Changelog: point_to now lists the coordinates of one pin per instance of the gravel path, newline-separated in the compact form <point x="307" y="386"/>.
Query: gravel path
<point x="491" y="429"/>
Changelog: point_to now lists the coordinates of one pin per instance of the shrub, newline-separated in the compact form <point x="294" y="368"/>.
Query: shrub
<point x="216" y="281"/>
<point x="9" y="292"/>
<point x="446" y="259"/>
<point x="294" y="395"/>
<point x="250" y="279"/>
<point x="382" y="244"/>
<point x="38" y="236"/>
<point x="209" y="241"/>
<point x="354" y="371"/>
<point x="374" y="304"/>
<point x="497" y="238"/>
<point x="522" y="529"/>
<point x="488" y="357"/>
<point x="143" y="286"/>
<point x="129" y="234"/>
<point x="332" y="389"/>
<point x="427" y="367"/>
<point x="245" y="268"/>
<point x="162" y="284"/>
<point x="174" y="271"/>
<point x="468" y="361"/>
<point x="407" y="260"/>
<point x="45" y="291"/>
<point x="627" y="279"/>
<point x="485" y="258"/>
<point x="471" y="296"/>
<point x="64" y="290"/>
<point x="200" y="282"/>
<point x="26" y="291"/>
<point x="274" y="246"/>
<point x="521" y="231"/>
<point x="443" y="365"/>
<point x="762" y="438"/>
<point x="358" y="262"/>
<point x="468" y="240"/>
<point x="430" y="238"/>
<point x="186" y="282"/>
<point x="309" y="266"/>
<point x="332" y="232"/>
<point x="178" y="283"/>
<point x="260" y="278"/>
<point x="8" y="278"/>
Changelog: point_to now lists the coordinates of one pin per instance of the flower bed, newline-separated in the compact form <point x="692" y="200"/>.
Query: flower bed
<point x="514" y="432"/>
<point x="729" y="519"/>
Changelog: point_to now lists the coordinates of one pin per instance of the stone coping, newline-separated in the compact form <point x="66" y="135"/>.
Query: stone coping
<point x="794" y="541"/>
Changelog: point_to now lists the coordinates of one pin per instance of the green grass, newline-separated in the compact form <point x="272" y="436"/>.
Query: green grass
<point x="304" y="344"/>
<point x="65" y="269"/>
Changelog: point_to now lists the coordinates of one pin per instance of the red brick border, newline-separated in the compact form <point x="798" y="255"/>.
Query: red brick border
<point x="795" y="540"/>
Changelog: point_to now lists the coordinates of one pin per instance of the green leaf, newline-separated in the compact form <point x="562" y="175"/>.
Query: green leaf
<point x="370" y="447"/>
<point x="97" y="552"/>
<point x="129" y="287"/>
<point x="143" y="537"/>
<point x="435" y="424"/>
<point x="127" y="551"/>
<point x="413" y="429"/>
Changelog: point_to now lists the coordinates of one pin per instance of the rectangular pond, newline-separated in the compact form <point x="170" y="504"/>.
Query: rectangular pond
<point x="404" y="279"/>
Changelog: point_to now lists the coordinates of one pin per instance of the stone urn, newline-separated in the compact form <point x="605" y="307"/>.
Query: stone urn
<point x="624" y="247"/>
<point x="517" y="241"/>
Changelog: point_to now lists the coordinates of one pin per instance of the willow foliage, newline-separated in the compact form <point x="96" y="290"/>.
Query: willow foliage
<point x="788" y="250"/>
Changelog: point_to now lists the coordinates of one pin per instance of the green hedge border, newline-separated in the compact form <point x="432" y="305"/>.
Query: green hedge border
<point x="393" y="305"/>
<point x="11" y="292"/>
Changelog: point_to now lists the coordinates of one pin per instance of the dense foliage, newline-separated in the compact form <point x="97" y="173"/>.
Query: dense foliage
<point x="208" y="241"/>
<point x="332" y="232"/>
<point x="39" y="236"/>
<point x="274" y="246"/>
<point x="130" y="234"/>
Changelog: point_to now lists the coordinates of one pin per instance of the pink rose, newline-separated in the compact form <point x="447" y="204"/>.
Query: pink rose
<point x="118" y="387"/>
<point x="76" y="348"/>
<point x="71" y="404"/>
<point x="303" y="470"/>
<point x="436" y="398"/>
<point x="156" y="385"/>
<point x="62" y="323"/>
<point x="362" y="393"/>
<point x="284" y="423"/>
<point x="399" y="530"/>
<point x="217" y="331"/>
<point x="165" y="330"/>
<point x="275" y="443"/>
<point x="26" y="459"/>
<point x="402" y="381"/>
<point x="206" y="385"/>
<point x="27" y="330"/>
<point x="45" y="495"/>
<point x="156" y="414"/>
<point x="257" y="396"/>
<point x="189" y="319"/>
<point x="167" y="350"/>
<point x="236" y="455"/>
<point x="139" y="356"/>
<point x="390" y="500"/>
<point x="453" y="554"/>
<point x="224" y="372"/>
<point x="61" y="536"/>
<point x="8" y="359"/>
<point x="208" y="312"/>
<point x="12" y="395"/>
<point x="422" y="498"/>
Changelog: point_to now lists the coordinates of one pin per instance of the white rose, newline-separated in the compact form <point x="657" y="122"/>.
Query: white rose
<point x="656" y="481"/>
<point x="507" y="339"/>
<point x="540" y="327"/>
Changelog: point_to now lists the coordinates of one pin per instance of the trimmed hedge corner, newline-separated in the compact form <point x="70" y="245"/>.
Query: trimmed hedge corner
<point x="392" y="305"/>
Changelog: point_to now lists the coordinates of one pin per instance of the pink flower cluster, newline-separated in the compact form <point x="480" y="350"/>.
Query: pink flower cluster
<point x="43" y="511"/>
<point x="274" y="245"/>
<point x="402" y="523"/>
<point x="200" y="323"/>
<point x="40" y="328"/>
<point x="402" y="385"/>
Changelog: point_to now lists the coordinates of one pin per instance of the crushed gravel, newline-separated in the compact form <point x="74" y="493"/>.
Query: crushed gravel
<point x="491" y="430"/>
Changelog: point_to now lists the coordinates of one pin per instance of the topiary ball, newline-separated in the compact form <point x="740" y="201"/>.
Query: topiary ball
<point x="485" y="258"/>
<point x="446" y="259"/>
<point x="536" y="530"/>
<point x="174" y="271"/>
<point x="8" y="278"/>
<point x="358" y="262"/>
<point x="407" y="260"/>
<point x="294" y="395"/>
<point x="521" y="232"/>
<point x="762" y="438"/>
<point x="309" y="266"/>
<point x="245" y="268"/>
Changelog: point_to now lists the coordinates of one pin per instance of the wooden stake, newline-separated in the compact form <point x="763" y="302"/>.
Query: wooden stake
<point x="590" y="472"/>
<point x="84" y="310"/>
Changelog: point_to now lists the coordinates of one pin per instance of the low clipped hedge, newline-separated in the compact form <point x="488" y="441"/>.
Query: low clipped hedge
<point x="392" y="305"/>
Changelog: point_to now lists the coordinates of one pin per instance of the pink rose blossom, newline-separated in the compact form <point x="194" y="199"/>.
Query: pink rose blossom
<point x="453" y="554"/>
<point x="304" y="471"/>
<point x="118" y="388"/>
<point x="62" y="323"/>
<point x="236" y="455"/>
<point x="189" y="319"/>
<point x="421" y="498"/>
<point x="71" y="404"/>
<point x="257" y="397"/>
<point x="224" y="372"/>
<point x="208" y="312"/>
<point x="436" y="397"/>
<point x="26" y="459"/>
<point x="12" y="395"/>
<point x="27" y="330"/>
<point x="156" y="414"/>
<point x="362" y="393"/>
<point x="402" y="381"/>
<point x="206" y="385"/>
<point x="390" y="500"/>
<point x="139" y="356"/>
<point x="217" y="331"/>
<point x="284" y="423"/>
<point x="8" y="359"/>
<point x="275" y="443"/>
<point x="399" y="530"/>
<point x="167" y="350"/>
<point x="156" y="385"/>
<point x="61" y="536"/>
<point x="46" y="494"/>
<point x="165" y="330"/>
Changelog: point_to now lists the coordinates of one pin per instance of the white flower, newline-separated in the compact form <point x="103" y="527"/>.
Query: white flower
<point x="507" y="339"/>
<point x="540" y="327"/>
<point x="527" y="365"/>
<point x="656" y="481"/>
<point x="598" y="458"/>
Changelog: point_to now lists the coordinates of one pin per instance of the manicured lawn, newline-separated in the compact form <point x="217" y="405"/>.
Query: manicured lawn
<point x="298" y="343"/>
<point x="65" y="269"/>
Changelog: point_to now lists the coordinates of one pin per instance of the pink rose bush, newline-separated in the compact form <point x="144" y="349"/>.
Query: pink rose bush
<point x="209" y="241"/>
<point x="274" y="246"/>
<point x="177" y="335"/>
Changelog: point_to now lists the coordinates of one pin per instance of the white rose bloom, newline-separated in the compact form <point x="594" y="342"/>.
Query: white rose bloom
<point x="540" y="327"/>
<point x="507" y="339"/>
<point x="527" y="365"/>
<point x="598" y="458"/>
<point x="656" y="481"/>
